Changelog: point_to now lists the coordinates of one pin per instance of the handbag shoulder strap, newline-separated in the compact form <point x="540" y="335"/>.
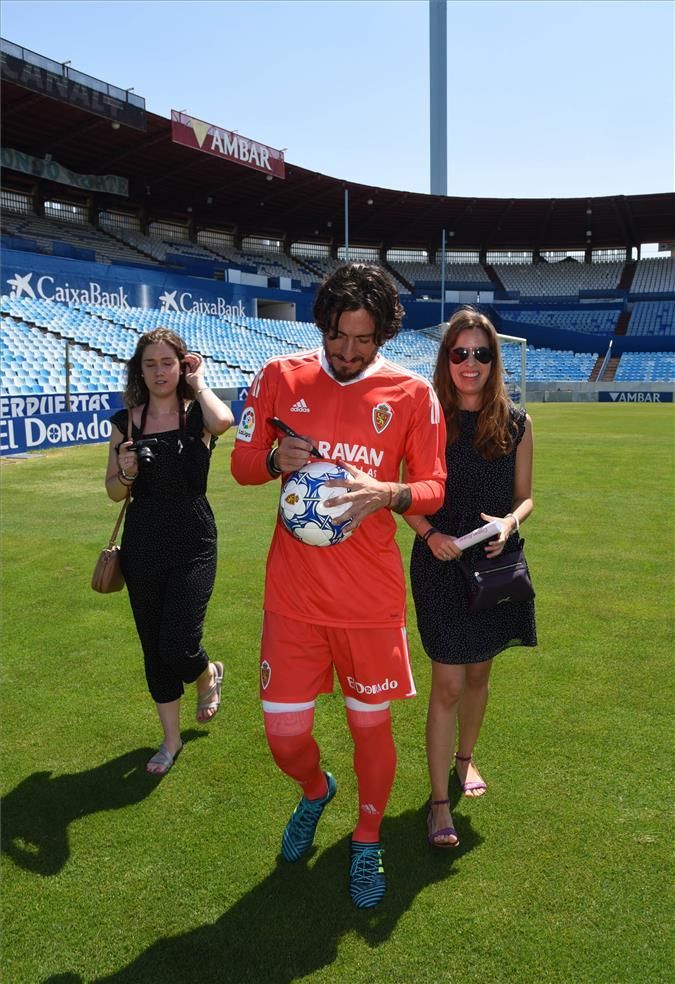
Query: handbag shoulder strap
<point x="116" y="527"/>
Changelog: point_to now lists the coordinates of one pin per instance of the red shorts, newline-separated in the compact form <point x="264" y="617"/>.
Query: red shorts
<point x="297" y="660"/>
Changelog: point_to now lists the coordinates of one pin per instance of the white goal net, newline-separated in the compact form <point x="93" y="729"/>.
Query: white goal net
<point x="514" y="357"/>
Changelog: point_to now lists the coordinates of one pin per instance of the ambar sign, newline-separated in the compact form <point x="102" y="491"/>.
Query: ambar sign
<point x="634" y="396"/>
<point x="210" y="139"/>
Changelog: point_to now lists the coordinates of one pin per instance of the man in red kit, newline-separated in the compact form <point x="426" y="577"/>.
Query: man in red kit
<point x="342" y="608"/>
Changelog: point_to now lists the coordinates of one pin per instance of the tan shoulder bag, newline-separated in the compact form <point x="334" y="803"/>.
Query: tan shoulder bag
<point x="108" y="576"/>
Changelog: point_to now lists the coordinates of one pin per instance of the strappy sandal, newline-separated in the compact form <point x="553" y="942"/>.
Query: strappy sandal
<point x="476" y="784"/>
<point x="434" y="835"/>
<point x="162" y="761"/>
<point x="207" y="702"/>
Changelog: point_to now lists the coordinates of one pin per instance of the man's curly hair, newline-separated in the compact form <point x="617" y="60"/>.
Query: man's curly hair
<point x="356" y="286"/>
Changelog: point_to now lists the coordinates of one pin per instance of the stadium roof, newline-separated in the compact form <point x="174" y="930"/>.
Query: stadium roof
<point x="169" y="180"/>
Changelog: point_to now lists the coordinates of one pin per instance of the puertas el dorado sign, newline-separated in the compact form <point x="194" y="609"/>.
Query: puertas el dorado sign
<point x="210" y="139"/>
<point x="34" y="423"/>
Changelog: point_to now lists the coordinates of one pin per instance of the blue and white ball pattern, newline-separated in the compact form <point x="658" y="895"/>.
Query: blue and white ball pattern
<point x="302" y="509"/>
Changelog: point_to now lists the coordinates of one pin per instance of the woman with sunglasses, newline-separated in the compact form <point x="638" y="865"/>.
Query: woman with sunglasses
<point x="489" y="458"/>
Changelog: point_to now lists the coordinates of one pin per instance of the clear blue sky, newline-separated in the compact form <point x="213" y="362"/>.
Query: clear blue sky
<point x="545" y="99"/>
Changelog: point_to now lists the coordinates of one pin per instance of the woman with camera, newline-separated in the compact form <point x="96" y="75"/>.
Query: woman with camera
<point x="160" y="450"/>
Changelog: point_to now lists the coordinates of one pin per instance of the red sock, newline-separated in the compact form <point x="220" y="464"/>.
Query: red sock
<point x="289" y="736"/>
<point x="375" y="767"/>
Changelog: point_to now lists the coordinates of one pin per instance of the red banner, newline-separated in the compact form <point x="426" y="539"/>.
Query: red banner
<point x="214" y="140"/>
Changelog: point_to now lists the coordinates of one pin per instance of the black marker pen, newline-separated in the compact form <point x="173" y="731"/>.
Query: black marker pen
<point x="280" y="425"/>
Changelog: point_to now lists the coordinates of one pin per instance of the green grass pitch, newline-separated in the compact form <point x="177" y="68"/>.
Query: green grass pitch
<point x="563" y="870"/>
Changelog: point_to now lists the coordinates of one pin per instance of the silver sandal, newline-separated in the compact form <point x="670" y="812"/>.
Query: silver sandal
<point x="163" y="759"/>
<point x="207" y="702"/>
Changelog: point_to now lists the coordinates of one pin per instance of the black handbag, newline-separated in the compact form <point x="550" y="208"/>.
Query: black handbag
<point x="490" y="583"/>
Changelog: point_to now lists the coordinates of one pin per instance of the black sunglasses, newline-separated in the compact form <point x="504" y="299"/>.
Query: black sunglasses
<point x="480" y="354"/>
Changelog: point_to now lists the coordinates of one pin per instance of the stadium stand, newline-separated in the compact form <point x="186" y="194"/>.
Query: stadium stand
<point x="456" y="274"/>
<point x="271" y="264"/>
<point x="654" y="276"/>
<point x="102" y="337"/>
<point x="88" y="242"/>
<point x="325" y="265"/>
<point x="159" y="248"/>
<point x="594" y="320"/>
<point x="652" y="318"/>
<point x="564" y="279"/>
<point x="108" y="245"/>
<point x="280" y="266"/>
<point x="646" y="366"/>
<point x="34" y="362"/>
<point x="225" y="254"/>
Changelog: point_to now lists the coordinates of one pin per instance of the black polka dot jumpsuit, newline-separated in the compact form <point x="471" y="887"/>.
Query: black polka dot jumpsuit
<point x="168" y="554"/>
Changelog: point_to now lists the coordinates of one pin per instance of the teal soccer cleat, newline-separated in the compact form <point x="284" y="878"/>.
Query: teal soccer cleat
<point x="300" y="829"/>
<point x="366" y="875"/>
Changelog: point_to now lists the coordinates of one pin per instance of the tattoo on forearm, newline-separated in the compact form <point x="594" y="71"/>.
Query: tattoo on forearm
<point x="401" y="499"/>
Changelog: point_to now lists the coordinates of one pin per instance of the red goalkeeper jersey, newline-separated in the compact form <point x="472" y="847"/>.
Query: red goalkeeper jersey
<point x="383" y="417"/>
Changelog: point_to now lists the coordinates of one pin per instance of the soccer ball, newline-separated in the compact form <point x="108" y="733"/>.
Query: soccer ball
<point x="302" y="509"/>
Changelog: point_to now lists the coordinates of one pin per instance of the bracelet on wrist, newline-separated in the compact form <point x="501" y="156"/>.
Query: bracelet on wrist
<point x="391" y="497"/>
<point x="197" y="392"/>
<point x="124" y="478"/>
<point x="516" y="521"/>
<point x="429" y="532"/>
<point x="270" y="462"/>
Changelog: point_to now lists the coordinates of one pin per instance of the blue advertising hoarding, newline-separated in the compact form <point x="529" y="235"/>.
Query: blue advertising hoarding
<point x="634" y="396"/>
<point x="37" y="423"/>
<point x="78" y="282"/>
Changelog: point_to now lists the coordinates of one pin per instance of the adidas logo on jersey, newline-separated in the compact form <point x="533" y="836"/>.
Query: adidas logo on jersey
<point x="300" y="407"/>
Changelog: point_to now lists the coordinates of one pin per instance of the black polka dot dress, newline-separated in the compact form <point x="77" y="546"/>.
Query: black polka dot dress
<point x="168" y="554"/>
<point x="449" y="631"/>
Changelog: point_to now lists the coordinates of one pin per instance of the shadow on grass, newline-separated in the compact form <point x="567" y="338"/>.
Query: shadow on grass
<point x="36" y="814"/>
<point x="291" y="924"/>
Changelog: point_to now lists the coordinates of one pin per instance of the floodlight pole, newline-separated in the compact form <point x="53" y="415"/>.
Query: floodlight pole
<point x="346" y="225"/>
<point x="443" y="276"/>
<point x="438" y="96"/>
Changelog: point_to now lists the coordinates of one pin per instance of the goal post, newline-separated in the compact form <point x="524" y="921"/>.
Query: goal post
<point x="514" y="357"/>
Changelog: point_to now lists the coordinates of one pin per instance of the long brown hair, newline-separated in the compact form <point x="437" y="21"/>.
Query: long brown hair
<point x="494" y="434"/>
<point x="136" y="391"/>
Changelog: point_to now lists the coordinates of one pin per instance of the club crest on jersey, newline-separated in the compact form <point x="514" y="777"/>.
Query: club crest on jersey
<point x="382" y="417"/>
<point x="265" y="674"/>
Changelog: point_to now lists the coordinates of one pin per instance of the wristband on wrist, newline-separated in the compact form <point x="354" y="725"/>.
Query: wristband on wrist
<point x="270" y="462"/>
<point x="391" y="496"/>
<point x="429" y="532"/>
<point x="517" y="521"/>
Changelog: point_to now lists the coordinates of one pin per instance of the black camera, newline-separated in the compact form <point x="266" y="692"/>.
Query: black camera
<point x="145" y="449"/>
